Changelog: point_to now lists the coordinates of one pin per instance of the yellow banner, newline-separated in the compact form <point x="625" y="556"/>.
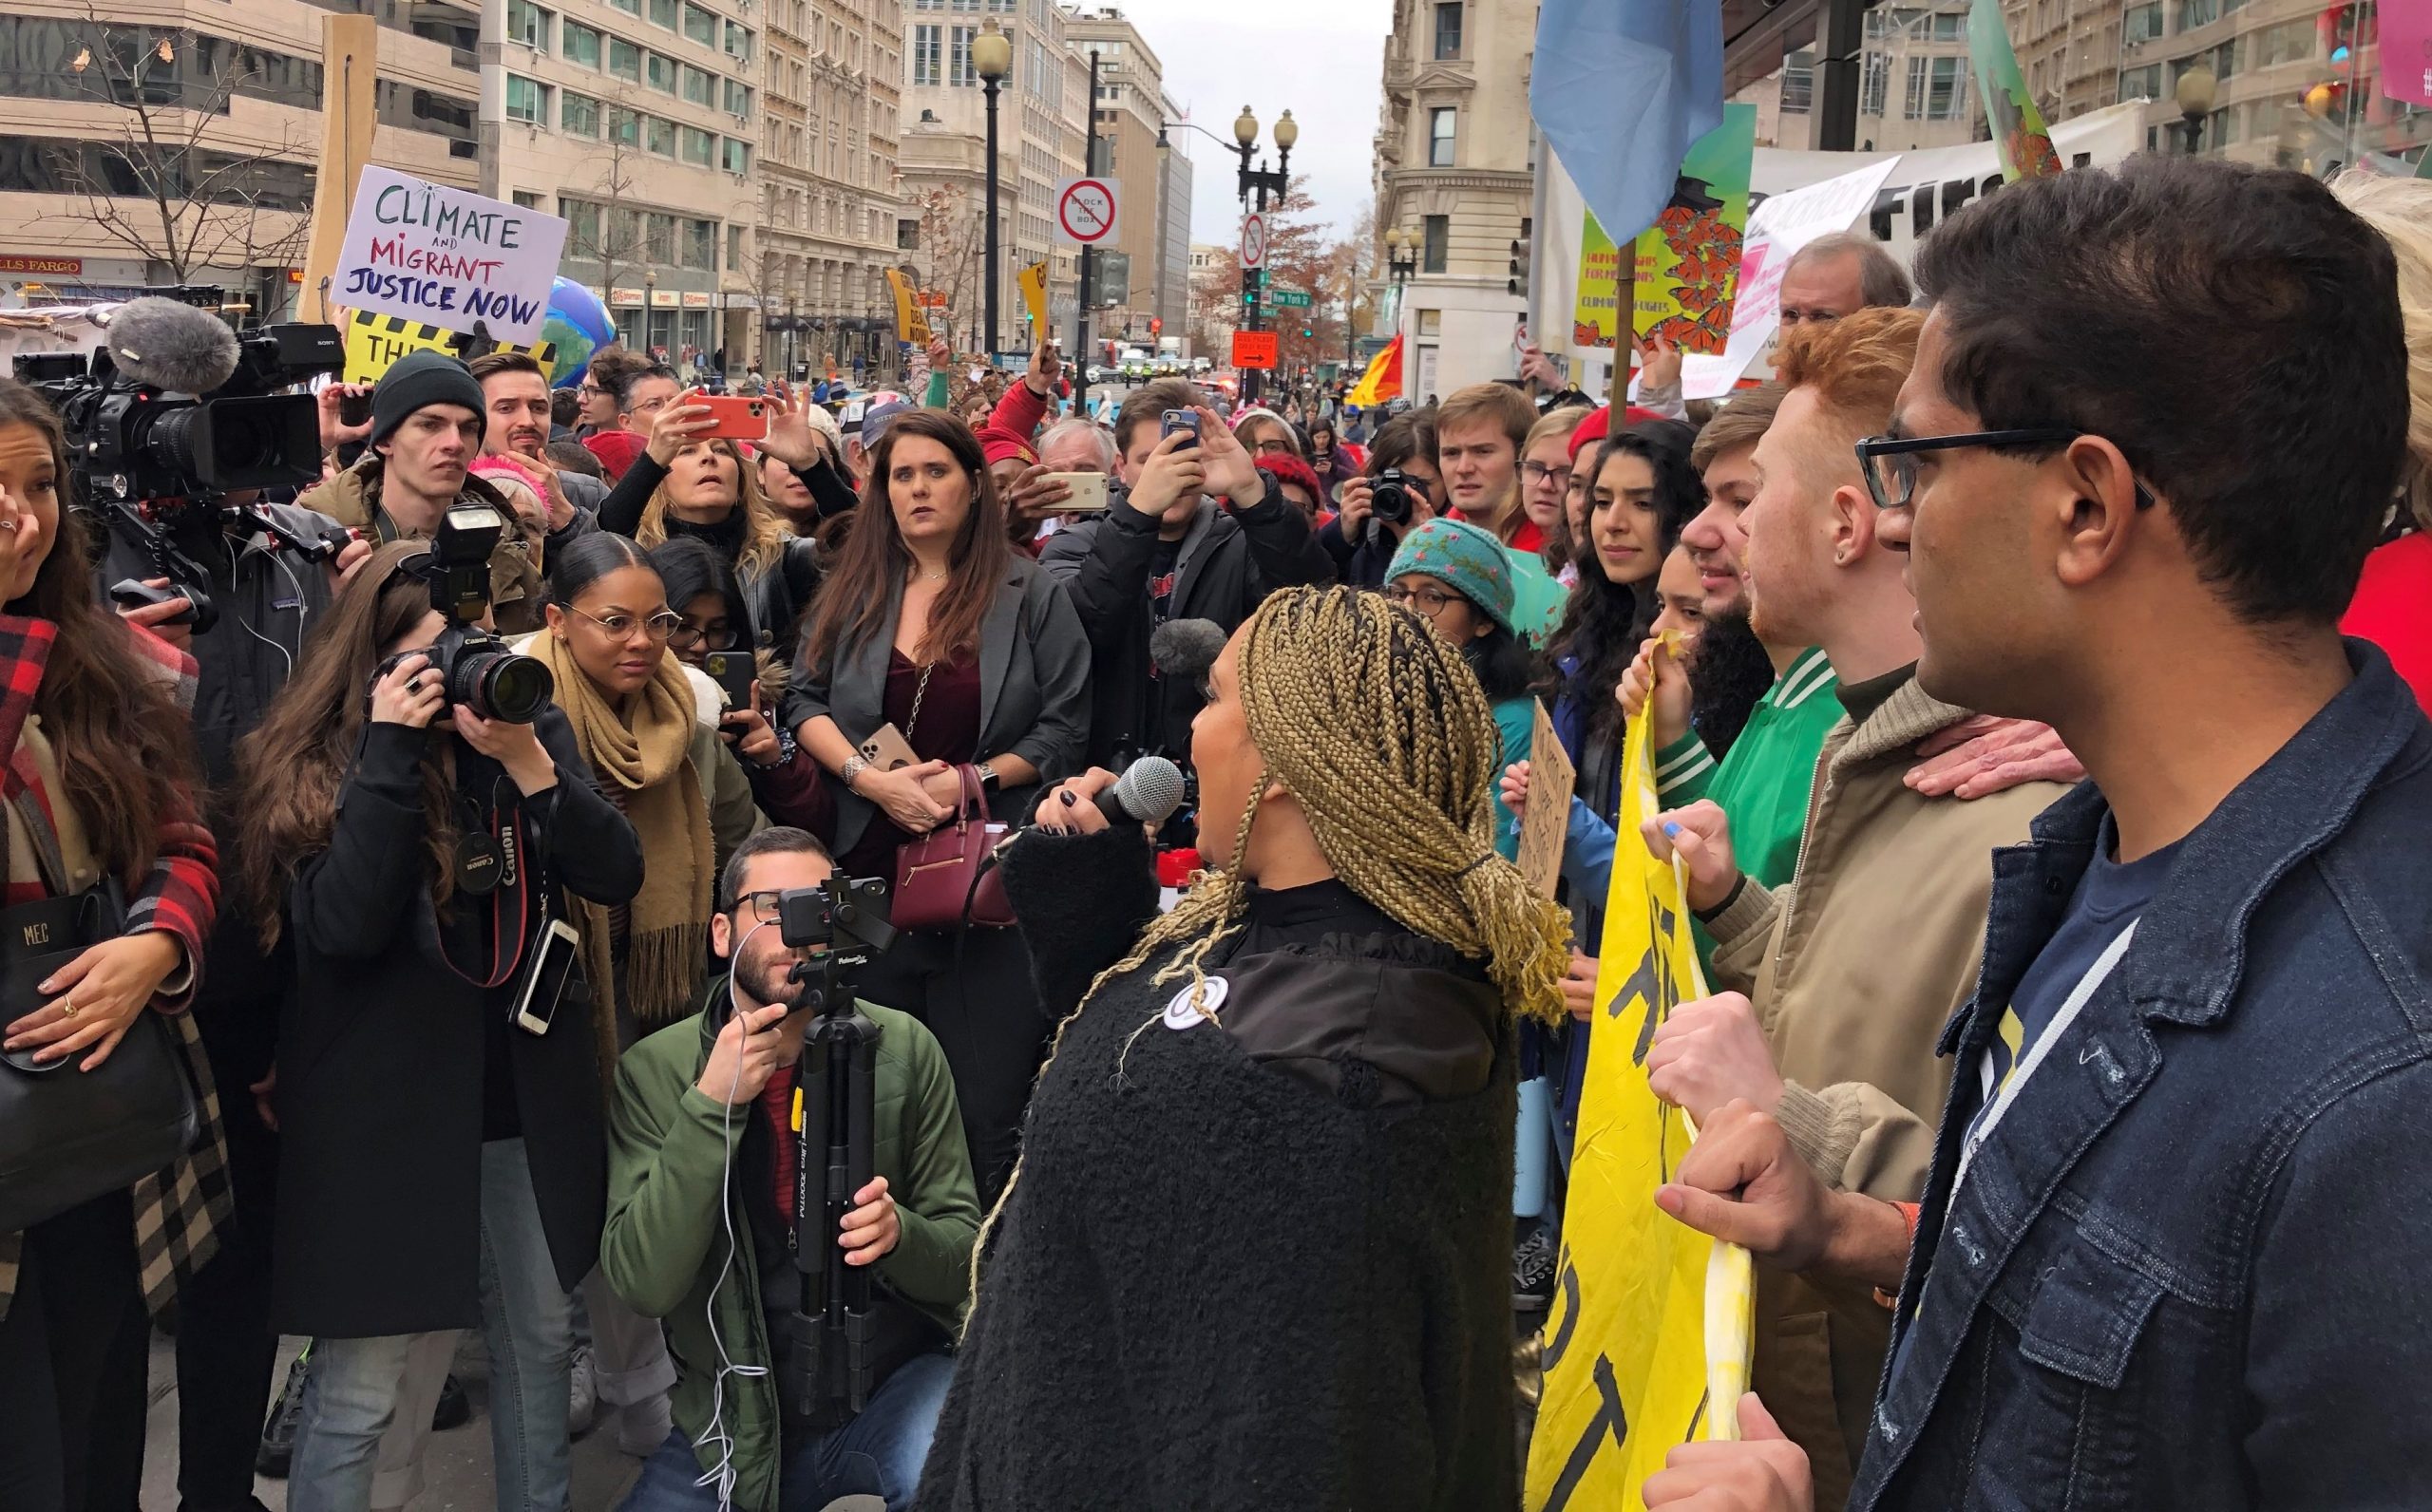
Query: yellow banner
<point x="1647" y="1343"/>
<point x="909" y="323"/>
<point x="374" y="342"/>
<point x="1034" y="284"/>
<point x="1596" y="312"/>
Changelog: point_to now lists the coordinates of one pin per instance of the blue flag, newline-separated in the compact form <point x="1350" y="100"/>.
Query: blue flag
<point x="1621" y="88"/>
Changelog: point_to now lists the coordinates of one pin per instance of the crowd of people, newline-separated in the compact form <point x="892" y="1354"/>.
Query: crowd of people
<point x="2059" y="865"/>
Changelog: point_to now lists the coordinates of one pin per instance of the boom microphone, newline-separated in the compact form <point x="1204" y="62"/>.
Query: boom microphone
<point x="1184" y="650"/>
<point x="172" y="347"/>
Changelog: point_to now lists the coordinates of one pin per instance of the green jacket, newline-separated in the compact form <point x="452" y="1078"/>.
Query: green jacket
<point x="1763" y="783"/>
<point x="665" y="1246"/>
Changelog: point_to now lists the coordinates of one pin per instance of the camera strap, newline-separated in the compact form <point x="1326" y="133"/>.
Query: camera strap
<point x="493" y="860"/>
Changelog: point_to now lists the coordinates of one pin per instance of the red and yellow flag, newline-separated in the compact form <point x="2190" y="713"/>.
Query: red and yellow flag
<point x="1383" y="379"/>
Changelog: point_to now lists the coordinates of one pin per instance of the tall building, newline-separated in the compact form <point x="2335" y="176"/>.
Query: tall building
<point x="944" y="157"/>
<point x="828" y="207"/>
<point x="1915" y="85"/>
<point x="1453" y="171"/>
<point x="636" y="120"/>
<point x="1153" y="234"/>
<point x="107" y="114"/>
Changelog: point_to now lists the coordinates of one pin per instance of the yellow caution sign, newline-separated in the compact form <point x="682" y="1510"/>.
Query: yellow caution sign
<point x="1647" y="1343"/>
<point x="374" y="342"/>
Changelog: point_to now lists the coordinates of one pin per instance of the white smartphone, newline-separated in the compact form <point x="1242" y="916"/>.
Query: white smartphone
<point x="554" y="963"/>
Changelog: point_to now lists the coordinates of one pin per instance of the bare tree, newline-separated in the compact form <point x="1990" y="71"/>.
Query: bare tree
<point x="953" y="241"/>
<point x="608" y="230"/>
<point x="165" y="181"/>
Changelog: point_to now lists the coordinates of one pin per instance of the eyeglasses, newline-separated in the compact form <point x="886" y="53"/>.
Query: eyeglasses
<point x="1428" y="601"/>
<point x="660" y="627"/>
<point x="1538" y="472"/>
<point x="719" y="636"/>
<point x="1889" y="462"/>
<point x="761" y="908"/>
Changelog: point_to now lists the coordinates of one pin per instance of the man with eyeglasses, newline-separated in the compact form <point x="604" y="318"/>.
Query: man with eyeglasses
<point x="702" y="1167"/>
<point x="1837" y="981"/>
<point x="2169" y="1253"/>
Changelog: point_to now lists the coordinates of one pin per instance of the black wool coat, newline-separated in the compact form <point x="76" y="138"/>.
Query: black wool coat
<point x="381" y="1050"/>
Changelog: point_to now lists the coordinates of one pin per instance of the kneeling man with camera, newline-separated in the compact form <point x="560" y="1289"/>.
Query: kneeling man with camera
<point x="790" y="1191"/>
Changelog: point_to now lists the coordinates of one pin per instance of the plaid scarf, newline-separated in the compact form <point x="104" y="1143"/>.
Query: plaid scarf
<point x="177" y="1209"/>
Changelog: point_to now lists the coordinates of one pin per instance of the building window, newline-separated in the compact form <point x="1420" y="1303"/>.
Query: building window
<point x="1431" y="322"/>
<point x="659" y="236"/>
<point x="2289" y="41"/>
<point x="701" y="245"/>
<point x="738" y="156"/>
<point x="526" y="101"/>
<point x="1874" y="83"/>
<point x="1448" y="30"/>
<point x="525" y="200"/>
<point x="739" y="99"/>
<point x="527" y="24"/>
<point x="624" y="60"/>
<point x="1798" y="83"/>
<point x="578" y="114"/>
<point x="2222" y="60"/>
<point x="2142" y="23"/>
<point x="700" y="25"/>
<point x="907" y="236"/>
<point x="583" y="225"/>
<point x="1937" y="91"/>
<point x="2193" y="14"/>
<point x="958" y="70"/>
<point x="700" y="147"/>
<point x="739" y="41"/>
<point x="1948" y="25"/>
<point x="661" y="71"/>
<point x="624" y="125"/>
<point x="1439" y="137"/>
<point x="927" y="55"/>
<point x="662" y="13"/>
<point x="630" y="8"/>
<point x="1436" y="242"/>
<point x="580" y="44"/>
<point x="734" y="248"/>
<point x="699" y="87"/>
<point x="2142" y="83"/>
<point x="658" y="136"/>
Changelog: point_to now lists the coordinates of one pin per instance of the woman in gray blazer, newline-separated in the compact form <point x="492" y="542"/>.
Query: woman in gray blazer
<point x="932" y="624"/>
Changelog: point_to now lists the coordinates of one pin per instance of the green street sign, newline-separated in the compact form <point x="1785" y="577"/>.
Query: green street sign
<point x="1289" y="298"/>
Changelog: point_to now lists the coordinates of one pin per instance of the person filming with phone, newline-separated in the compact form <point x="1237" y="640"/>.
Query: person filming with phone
<point x="416" y="817"/>
<point x="702" y="1213"/>
<point x="1165" y="549"/>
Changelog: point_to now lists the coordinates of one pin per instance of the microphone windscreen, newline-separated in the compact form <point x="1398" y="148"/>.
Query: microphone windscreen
<point x="1184" y="649"/>
<point x="171" y="346"/>
<point x="1148" y="792"/>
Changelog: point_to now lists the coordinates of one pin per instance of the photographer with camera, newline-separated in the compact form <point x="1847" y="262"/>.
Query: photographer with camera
<point x="1361" y="538"/>
<point x="110" y="893"/>
<point x="429" y="417"/>
<point x="418" y="820"/>
<point x="702" y="1222"/>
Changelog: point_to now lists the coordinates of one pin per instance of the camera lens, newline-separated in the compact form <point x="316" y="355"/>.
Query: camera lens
<point x="500" y="685"/>
<point x="1390" y="503"/>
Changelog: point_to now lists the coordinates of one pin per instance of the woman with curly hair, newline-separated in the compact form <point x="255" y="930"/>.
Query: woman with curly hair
<point x="1255" y="1253"/>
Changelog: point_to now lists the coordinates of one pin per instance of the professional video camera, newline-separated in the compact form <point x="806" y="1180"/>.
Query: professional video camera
<point x="474" y="666"/>
<point x="831" y="1363"/>
<point x="143" y="455"/>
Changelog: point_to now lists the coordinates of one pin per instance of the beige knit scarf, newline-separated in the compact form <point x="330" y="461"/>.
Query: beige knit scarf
<point x="641" y="755"/>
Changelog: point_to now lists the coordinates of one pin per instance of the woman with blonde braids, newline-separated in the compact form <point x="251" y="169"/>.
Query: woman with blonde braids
<point x="1256" y="1251"/>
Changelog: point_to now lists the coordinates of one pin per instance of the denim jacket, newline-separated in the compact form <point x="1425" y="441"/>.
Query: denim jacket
<point x="2187" y="1269"/>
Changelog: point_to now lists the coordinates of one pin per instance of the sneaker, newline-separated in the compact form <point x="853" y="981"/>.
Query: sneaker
<point x="453" y="1408"/>
<point x="277" y="1447"/>
<point x="1532" y="1269"/>
<point x="582" y="1397"/>
<point x="642" y="1427"/>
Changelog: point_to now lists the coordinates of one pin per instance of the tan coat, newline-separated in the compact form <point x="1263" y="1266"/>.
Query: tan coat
<point x="1853" y="968"/>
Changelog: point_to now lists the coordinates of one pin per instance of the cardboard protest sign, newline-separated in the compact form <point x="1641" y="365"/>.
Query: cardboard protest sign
<point x="446" y="257"/>
<point x="1545" y="824"/>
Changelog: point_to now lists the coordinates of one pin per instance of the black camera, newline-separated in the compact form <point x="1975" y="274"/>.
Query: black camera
<point x="475" y="666"/>
<point x="845" y="917"/>
<point x="1390" y="502"/>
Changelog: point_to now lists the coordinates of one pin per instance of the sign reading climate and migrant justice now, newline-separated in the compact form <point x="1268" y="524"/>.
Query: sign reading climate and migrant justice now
<point x="447" y="257"/>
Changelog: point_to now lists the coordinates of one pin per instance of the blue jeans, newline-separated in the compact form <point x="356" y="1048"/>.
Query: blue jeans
<point x="878" y="1453"/>
<point x="353" y="1387"/>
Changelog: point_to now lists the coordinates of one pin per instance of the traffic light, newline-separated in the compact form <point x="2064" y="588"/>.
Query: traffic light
<point x="1518" y="283"/>
<point x="2338" y="28"/>
<point x="1306" y="332"/>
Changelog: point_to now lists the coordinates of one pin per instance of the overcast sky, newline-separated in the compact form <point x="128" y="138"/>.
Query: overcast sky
<point x="1322" y="60"/>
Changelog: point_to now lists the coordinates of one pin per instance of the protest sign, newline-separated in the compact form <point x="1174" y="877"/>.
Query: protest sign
<point x="2021" y="140"/>
<point x="1630" y="1373"/>
<point x="373" y="344"/>
<point x="448" y="257"/>
<point x="1033" y="281"/>
<point x="1689" y="261"/>
<point x="1596" y="312"/>
<point x="1544" y="824"/>
<point x="910" y="324"/>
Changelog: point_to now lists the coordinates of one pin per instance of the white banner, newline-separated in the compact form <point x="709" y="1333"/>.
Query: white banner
<point x="447" y="257"/>
<point x="1777" y="230"/>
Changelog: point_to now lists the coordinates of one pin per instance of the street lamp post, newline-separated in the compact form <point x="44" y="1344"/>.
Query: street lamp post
<point x="2195" y="93"/>
<point x="992" y="58"/>
<point x="1258" y="182"/>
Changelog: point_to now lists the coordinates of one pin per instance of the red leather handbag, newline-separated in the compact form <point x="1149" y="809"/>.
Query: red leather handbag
<point x="947" y="878"/>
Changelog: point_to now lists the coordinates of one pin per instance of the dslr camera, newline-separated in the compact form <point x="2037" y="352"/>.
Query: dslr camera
<point x="1389" y="500"/>
<point x="475" y="666"/>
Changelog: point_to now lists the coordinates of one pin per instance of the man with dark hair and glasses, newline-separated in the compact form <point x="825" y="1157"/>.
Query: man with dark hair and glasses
<point x="1837" y="981"/>
<point x="702" y="1161"/>
<point x="2169" y="1252"/>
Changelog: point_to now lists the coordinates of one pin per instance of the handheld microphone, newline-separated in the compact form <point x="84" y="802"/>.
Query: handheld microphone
<point x="1184" y="649"/>
<point x="165" y="345"/>
<point x="1148" y="792"/>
